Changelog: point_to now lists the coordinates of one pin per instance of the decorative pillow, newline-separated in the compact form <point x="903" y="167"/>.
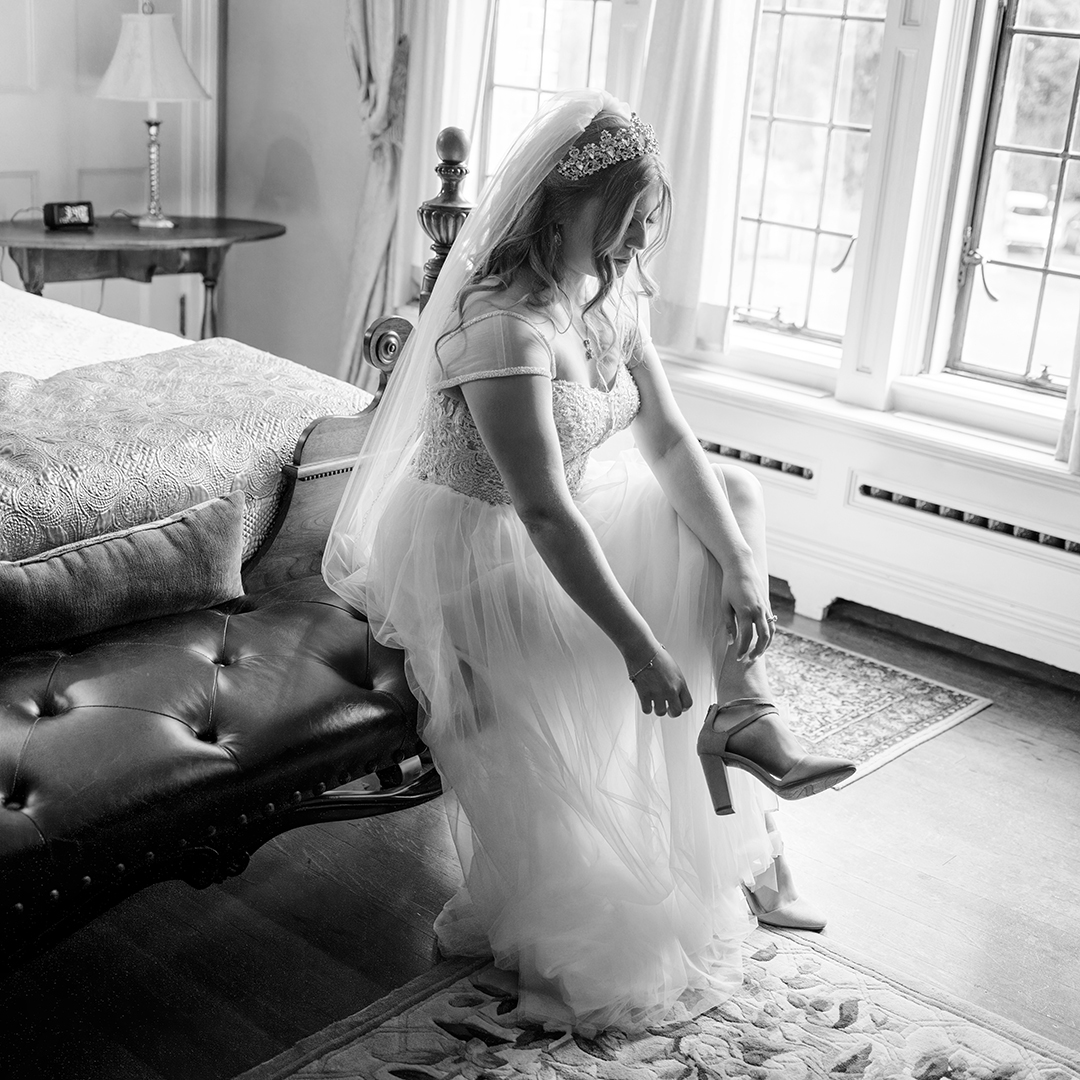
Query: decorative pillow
<point x="183" y="562"/>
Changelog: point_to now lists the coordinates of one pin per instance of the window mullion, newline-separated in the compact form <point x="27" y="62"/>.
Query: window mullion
<point x="901" y="215"/>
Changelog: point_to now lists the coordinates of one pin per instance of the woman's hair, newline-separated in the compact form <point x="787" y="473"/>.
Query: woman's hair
<point x="530" y="249"/>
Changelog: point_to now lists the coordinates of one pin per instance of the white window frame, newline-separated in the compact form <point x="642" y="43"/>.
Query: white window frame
<point x="919" y="177"/>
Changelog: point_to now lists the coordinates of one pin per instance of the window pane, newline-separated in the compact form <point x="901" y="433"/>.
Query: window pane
<point x="753" y="168"/>
<point x="832" y="286"/>
<point x="1038" y="92"/>
<point x="845" y="178"/>
<point x="782" y="273"/>
<point x="745" y="243"/>
<point x="834" y="7"/>
<point x="998" y="335"/>
<point x="518" y="39"/>
<point x="859" y="61"/>
<point x="768" y="37"/>
<point x="1018" y="214"/>
<point x="876" y="8"/>
<point x="807" y="67"/>
<point x="567" y="38"/>
<point x="1051" y="14"/>
<point x="1066" y="254"/>
<point x="794" y="173"/>
<point x="1056" y="335"/>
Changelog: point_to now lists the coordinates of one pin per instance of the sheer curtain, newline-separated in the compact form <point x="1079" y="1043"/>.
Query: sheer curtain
<point x="408" y="93"/>
<point x="698" y="106"/>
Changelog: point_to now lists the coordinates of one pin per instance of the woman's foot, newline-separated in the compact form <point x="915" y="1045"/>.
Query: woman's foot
<point x="795" y="915"/>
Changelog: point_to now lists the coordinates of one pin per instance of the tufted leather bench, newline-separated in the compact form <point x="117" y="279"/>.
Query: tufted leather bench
<point x="174" y="747"/>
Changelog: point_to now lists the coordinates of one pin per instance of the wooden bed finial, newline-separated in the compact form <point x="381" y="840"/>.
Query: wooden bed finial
<point x="442" y="217"/>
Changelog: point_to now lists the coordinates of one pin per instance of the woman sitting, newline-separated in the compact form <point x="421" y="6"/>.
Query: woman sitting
<point x="560" y="614"/>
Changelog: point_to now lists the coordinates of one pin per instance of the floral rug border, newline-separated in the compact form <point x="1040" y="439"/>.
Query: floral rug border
<point x="340" y="1034"/>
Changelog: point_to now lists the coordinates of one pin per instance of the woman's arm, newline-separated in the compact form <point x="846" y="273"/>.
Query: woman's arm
<point x="513" y="414"/>
<point x="677" y="460"/>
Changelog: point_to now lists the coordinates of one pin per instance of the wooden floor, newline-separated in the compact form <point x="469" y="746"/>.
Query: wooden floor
<point x="954" y="865"/>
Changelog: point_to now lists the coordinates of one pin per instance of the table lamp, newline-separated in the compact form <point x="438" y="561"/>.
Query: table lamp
<point x="150" y="66"/>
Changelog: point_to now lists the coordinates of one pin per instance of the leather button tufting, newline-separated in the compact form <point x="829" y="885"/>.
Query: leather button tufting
<point x="54" y="895"/>
<point x="86" y="881"/>
<point x="269" y="808"/>
<point x="17" y="909"/>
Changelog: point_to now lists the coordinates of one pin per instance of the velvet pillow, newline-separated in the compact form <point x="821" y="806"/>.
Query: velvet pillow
<point x="183" y="562"/>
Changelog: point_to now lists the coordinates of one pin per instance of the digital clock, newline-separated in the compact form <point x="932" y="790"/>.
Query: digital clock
<point x="69" y="215"/>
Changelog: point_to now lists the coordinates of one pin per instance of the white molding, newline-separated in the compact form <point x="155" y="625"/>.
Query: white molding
<point x="29" y="84"/>
<point x="795" y="404"/>
<point x="823" y="573"/>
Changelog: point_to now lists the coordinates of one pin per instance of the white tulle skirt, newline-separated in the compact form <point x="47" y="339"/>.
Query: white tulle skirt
<point x="593" y="863"/>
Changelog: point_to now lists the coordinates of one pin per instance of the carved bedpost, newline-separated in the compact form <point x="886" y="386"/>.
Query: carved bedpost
<point x="443" y="216"/>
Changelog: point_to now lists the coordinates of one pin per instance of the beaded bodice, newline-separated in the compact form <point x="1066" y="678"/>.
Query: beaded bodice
<point x="452" y="453"/>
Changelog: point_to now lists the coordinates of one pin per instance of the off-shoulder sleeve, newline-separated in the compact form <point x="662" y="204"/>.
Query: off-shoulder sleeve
<point x="493" y="344"/>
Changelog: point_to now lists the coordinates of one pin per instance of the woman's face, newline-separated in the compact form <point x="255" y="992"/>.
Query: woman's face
<point x="579" y="233"/>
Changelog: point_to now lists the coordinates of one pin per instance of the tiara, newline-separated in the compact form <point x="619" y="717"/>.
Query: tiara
<point x="622" y="145"/>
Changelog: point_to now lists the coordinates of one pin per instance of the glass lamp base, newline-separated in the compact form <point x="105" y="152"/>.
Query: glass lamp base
<point x="153" y="221"/>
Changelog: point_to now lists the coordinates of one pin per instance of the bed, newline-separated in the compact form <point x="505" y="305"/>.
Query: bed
<point x="177" y="684"/>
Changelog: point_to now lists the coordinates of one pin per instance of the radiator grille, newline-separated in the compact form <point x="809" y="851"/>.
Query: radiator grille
<point x="966" y="517"/>
<point x="758" y="459"/>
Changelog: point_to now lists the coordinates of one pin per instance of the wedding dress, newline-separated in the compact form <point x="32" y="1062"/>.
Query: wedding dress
<point x="593" y="863"/>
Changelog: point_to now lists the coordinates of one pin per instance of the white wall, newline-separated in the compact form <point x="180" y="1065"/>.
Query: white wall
<point x="294" y="154"/>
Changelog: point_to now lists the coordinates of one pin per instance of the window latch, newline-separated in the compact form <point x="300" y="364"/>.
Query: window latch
<point x="971" y="256"/>
<point x="844" y="258"/>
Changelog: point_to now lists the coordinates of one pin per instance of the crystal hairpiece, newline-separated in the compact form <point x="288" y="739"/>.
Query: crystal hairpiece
<point x="613" y="145"/>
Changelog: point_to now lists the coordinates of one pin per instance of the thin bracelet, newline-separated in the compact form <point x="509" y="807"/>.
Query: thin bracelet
<point x="645" y="667"/>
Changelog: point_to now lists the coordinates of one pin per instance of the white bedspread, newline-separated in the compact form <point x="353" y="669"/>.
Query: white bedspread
<point x="40" y="337"/>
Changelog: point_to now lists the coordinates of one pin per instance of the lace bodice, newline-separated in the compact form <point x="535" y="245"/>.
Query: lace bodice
<point x="452" y="453"/>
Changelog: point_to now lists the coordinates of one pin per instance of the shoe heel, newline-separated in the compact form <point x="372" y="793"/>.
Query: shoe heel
<point x="716" y="778"/>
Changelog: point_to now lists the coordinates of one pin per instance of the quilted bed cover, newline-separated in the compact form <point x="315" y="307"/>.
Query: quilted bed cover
<point x="92" y="441"/>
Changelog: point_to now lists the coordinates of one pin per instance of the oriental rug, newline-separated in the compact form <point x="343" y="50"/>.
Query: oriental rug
<point x="805" y="1009"/>
<point x="850" y="706"/>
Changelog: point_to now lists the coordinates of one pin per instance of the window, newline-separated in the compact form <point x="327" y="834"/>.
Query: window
<point x="801" y="191"/>
<point x="933" y="147"/>
<point x="1019" y="301"/>
<point x="541" y="46"/>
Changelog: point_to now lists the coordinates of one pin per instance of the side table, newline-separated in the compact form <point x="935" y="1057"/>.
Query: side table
<point x="115" y="247"/>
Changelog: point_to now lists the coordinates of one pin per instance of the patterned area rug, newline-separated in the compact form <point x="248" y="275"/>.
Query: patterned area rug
<point x="805" y="1010"/>
<point x="850" y="706"/>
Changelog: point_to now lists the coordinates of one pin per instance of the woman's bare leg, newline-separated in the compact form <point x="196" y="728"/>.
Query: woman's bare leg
<point x="769" y="742"/>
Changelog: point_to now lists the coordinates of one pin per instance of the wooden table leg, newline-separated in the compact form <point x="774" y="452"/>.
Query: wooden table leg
<point x="215" y="258"/>
<point x="31" y="264"/>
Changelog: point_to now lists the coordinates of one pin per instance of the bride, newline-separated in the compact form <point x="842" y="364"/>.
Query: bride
<point x="561" y="614"/>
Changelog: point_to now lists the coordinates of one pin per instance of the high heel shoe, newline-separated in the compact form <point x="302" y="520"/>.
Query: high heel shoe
<point x="796" y="914"/>
<point x="809" y="775"/>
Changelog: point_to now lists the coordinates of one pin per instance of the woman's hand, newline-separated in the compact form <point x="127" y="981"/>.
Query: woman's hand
<point x="660" y="685"/>
<point x="745" y="609"/>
